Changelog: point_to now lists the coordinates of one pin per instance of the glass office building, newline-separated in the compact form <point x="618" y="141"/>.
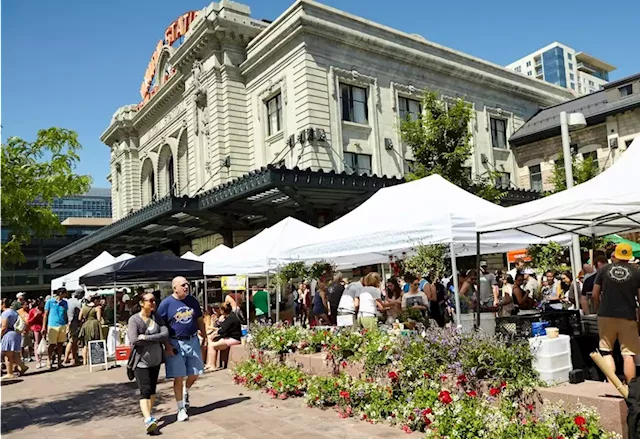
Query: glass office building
<point x="94" y="204"/>
<point x="554" y="67"/>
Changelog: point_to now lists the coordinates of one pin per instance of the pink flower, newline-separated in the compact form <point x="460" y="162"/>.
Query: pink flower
<point x="406" y="429"/>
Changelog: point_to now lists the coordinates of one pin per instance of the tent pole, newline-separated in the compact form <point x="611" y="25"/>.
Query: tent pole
<point x="205" y="294"/>
<point x="247" y="290"/>
<point x="574" y="270"/>
<point x="454" y="271"/>
<point x="477" y="307"/>
<point x="266" y="287"/>
<point x="278" y="303"/>
<point x="593" y="249"/>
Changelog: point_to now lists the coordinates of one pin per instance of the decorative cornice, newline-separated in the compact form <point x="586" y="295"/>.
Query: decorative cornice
<point x="406" y="90"/>
<point x="356" y="78"/>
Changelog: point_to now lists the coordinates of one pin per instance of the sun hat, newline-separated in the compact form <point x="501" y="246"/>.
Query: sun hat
<point x="623" y="252"/>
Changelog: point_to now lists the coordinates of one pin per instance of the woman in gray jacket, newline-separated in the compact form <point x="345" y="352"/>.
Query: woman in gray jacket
<point x="147" y="334"/>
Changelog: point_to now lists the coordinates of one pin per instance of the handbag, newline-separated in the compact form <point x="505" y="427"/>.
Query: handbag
<point x="42" y="347"/>
<point x="131" y="365"/>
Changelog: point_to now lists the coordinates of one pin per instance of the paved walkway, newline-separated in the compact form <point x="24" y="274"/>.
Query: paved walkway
<point x="73" y="403"/>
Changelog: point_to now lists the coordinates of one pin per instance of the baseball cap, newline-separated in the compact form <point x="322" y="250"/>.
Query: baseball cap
<point x="19" y="295"/>
<point x="483" y="263"/>
<point x="623" y="252"/>
<point x="528" y="271"/>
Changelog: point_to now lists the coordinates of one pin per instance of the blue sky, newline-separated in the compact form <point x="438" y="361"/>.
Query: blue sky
<point x="72" y="63"/>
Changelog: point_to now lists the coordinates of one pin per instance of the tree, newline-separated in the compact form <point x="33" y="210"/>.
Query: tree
<point x="583" y="170"/>
<point x="440" y="140"/>
<point x="33" y="175"/>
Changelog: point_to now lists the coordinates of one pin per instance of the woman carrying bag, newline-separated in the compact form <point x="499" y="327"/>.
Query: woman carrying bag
<point x="147" y="334"/>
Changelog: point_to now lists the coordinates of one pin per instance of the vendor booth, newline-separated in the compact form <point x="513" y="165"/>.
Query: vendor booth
<point x="71" y="281"/>
<point x="397" y="219"/>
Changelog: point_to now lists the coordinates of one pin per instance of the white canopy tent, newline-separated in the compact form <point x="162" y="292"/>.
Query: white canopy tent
<point x="608" y="203"/>
<point x="71" y="281"/>
<point x="261" y="253"/>
<point x="397" y="219"/>
<point x="191" y="256"/>
<point x="220" y="251"/>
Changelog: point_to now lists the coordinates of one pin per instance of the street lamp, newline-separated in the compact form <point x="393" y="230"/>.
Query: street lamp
<point x="572" y="122"/>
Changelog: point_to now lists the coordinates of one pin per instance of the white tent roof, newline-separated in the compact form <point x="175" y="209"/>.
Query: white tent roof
<point x="608" y="203"/>
<point x="260" y="254"/>
<point x="191" y="256"/>
<point x="102" y="260"/>
<point x="398" y="218"/>
<point x="220" y="250"/>
<point x="73" y="282"/>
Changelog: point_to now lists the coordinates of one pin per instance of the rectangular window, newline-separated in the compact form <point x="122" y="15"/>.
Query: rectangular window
<point x="498" y="133"/>
<point x="573" y="86"/>
<point x="535" y="178"/>
<point x="569" y="57"/>
<point x="591" y="83"/>
<point x="570" y="65"/>
<point x="357" y="163"/>
<point x="274" y="114"/>
<point x="571" y="76"/>
<point x="518" y="69"/>
<point x="354" y="103"/>
<point x="409" y="108"/>
<point x="528" y="63"/>
<point x="529" y="73"/>
<point x="626" y="90"/>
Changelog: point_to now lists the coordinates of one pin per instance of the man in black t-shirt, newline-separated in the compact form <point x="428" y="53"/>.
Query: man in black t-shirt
<point x="619" y="283"/>
<point x="589" y="282"/>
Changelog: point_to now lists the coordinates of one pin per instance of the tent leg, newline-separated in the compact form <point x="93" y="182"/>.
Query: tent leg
<point x="205" y="294"/>
<point x="593" y="249"/>
<point x="278" y="302"/>
<point x="266" y="287"/>
<point x="574" y="270"/>
<point x="247" y="292"/>
<point x="454" y="272"/>
<point x="477" y="307"/>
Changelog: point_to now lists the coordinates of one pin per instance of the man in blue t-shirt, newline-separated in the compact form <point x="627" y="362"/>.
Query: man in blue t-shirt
<point x="55" y="324"/>
<point x="183" y="353"/>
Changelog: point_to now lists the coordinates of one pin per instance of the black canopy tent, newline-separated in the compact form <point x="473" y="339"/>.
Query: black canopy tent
<point x="152" y="267"/>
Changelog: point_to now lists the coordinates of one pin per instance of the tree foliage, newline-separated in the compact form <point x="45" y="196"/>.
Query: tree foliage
<point x="33" y="175"/>
<point x="428" y="258"/>
<point x="583" y="170"/>
<point x="440" y="140"/>
<point x="548" y="257"/>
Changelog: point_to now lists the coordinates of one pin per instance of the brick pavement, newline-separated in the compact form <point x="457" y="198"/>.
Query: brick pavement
<point x="73" y="403"/>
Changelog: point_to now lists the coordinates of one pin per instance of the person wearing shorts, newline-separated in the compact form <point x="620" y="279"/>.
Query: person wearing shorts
<point x="55" y="325"/>
<point x="183" y="352"/>
<point x="619" y="285"/>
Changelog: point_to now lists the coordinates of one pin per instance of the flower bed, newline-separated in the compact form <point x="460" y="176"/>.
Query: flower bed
<point x="442" y="383"/>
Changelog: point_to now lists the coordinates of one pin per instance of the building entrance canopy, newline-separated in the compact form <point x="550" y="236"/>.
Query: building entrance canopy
<point x="254" y="201"/>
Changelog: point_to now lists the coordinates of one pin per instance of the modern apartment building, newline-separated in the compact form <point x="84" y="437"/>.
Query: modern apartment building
<point x="561" y="65"/>
<point x="80" y="215"/>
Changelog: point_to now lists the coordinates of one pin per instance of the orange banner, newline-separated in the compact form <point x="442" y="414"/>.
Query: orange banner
<point x="518" y="255"/>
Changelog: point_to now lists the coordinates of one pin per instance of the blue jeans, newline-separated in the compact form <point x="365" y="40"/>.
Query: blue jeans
<point x="188" y="359"/>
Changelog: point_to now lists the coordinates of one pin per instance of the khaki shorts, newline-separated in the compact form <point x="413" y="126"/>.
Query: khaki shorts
<point x="625" y="331"/>
<point x="57" y="334"/>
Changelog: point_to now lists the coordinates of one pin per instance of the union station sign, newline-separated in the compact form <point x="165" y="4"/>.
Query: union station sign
<point x="174" y="32"/>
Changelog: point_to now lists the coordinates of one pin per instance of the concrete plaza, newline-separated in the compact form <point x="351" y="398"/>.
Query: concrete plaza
<point x="74" y="403"/>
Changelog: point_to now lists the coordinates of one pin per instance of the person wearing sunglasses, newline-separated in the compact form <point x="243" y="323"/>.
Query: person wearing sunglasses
<point x="183" y="352"/>
<point x="147" y="334"/>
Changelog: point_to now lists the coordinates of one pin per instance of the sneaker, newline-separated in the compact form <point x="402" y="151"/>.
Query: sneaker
<point x="187" y="404"/>
<point x="151" y="424"/>
<point x="182" y="415"/>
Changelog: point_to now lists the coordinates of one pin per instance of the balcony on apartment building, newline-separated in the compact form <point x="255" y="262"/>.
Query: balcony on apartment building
<point x="593" y="66"/>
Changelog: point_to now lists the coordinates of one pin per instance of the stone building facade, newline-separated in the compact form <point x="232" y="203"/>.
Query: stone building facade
<point x="613" y="121"/>
<point x="316" y="88"/>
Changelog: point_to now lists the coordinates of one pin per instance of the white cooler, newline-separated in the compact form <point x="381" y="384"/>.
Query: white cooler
<point x="552" y="358"/>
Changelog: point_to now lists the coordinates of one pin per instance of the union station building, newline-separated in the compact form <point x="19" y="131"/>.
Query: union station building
<point x="242" y="122"/>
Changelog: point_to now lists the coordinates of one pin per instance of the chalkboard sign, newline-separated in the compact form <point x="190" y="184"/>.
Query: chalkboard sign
<point x="97" y="354"/>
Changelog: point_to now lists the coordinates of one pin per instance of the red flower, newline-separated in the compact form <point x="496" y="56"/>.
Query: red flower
<point x="579" y="420"/>
<point x="445" y="397"/>
<point x="426" y="375"/>
<point x="344" y="394"/>
<point x="258" y="378"/>
<point x="472" y="393"/>
<point x="406" y="429"/>
<point x="494" y="391"/>
<point x="343" y="364"/>
<point x="503" y="384"/>
<point x="443" y="378"/>
<point x="393" y="376"/>
<point x="530" y="407"/>
<point x="462" y="378"/>
<point x="426" y="412"/>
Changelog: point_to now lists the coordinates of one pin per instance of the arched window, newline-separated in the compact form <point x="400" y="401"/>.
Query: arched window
<point x="152" y="184"/>
<point x="170" y="176"/>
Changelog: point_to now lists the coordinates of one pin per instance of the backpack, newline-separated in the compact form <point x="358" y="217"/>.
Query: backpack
<point x="19" y="325"/>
